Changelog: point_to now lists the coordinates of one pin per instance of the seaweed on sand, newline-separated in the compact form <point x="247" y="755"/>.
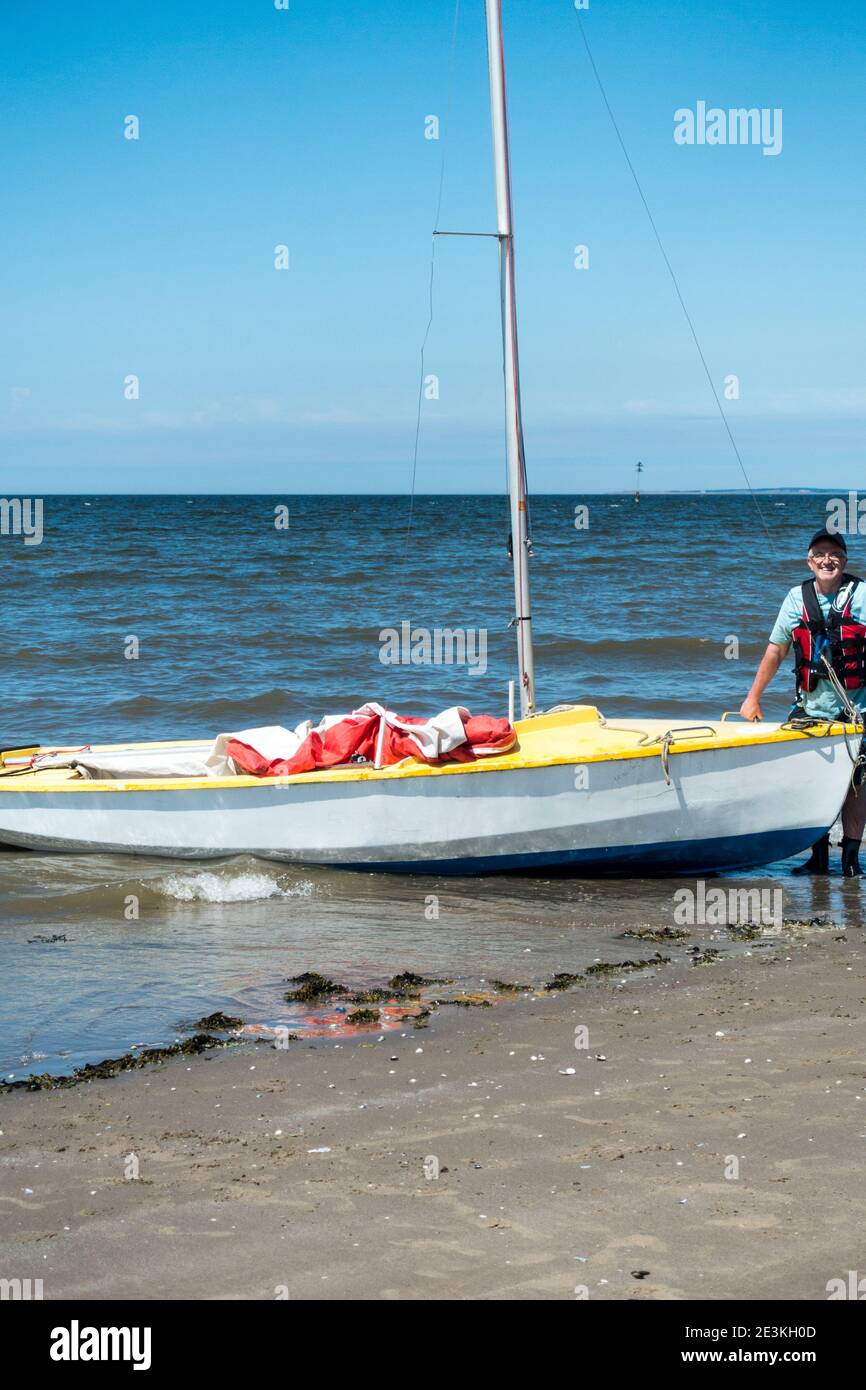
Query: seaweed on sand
<point x="217" y="1023"/>
<point x="505" y="987"/>
<point x="312" y="986"/>
<point x="358" y="1016"/>
<point x="379" y="996"/>
<point x="655" y="934"/>
<point x="705" y="957"/>
<point x="564" y="980"/>
<point x="112" y="1066"/>
<point x="823" y="919"/>
<point x="467" y="1001"/>
<point x="408" y="980"/>
<point x="615" y="967"/>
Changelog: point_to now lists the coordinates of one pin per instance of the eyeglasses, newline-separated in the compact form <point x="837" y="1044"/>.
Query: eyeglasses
<point x="827" y="555"/>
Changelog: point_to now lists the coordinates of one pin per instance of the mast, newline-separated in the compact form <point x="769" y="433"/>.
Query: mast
<point x="520" y="544"/>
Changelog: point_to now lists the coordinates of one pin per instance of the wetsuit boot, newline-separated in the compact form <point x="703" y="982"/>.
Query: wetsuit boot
<point x="850" y="862"/>
<point x="819" y="860"/>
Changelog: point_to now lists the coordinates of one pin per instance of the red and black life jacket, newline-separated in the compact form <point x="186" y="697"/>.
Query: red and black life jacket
<point x="839" y="637"/>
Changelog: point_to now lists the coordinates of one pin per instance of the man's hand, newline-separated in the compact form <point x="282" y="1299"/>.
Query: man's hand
<point x="770" y="662"/>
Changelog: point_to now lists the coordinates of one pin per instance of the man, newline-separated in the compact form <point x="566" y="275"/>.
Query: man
<point x="824" y="617"/>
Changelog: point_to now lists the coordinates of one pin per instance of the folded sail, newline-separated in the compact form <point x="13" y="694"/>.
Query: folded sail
<point x="370" y="734"/>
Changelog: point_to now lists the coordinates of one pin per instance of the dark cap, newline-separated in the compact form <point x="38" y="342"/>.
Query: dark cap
<point x="834" y="536"/>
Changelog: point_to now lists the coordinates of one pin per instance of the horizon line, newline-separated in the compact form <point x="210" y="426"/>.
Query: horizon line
<point x="582" y="492"/>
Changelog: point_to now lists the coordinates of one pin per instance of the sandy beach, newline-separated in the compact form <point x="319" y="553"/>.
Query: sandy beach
<point x="707" y="1144"/>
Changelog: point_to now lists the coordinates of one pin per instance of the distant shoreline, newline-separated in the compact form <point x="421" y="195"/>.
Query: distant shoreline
<point x="576" y="492"/>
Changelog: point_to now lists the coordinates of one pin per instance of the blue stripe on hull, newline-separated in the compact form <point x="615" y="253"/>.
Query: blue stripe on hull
<point x="671" y="858"/>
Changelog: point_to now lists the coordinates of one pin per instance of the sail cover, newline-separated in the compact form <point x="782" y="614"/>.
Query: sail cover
<point x="371" y="734"/>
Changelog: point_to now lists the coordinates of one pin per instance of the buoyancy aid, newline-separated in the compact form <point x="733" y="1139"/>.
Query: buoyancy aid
<point x="839" y="637"/>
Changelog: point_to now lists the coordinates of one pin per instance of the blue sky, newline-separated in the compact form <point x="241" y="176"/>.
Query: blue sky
<point x="306" y="127"/>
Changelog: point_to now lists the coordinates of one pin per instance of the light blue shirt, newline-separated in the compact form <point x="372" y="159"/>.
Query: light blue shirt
<point x="823" y="702"/>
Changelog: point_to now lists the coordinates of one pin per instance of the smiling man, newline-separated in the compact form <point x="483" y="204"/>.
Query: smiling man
<point x="823" y="617"/>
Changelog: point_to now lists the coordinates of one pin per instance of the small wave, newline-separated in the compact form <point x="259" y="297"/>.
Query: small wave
<point x="94" y="578"/>
<point x="213" y="888"/>
<point x="646" y="649"/>
<point x="215" y="714"/>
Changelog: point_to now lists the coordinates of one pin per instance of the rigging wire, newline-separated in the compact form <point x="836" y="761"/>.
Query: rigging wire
<point x="454" y="29"/>
<point x="672" y="274"/>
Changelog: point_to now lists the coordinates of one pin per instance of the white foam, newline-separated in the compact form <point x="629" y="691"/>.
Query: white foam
<point x="214" y="888"/>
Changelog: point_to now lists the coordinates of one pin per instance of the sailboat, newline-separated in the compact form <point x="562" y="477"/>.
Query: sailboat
<point x="577" y="793"/>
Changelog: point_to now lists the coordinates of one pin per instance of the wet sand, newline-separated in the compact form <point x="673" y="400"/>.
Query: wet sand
<point x="301" y="1173"/>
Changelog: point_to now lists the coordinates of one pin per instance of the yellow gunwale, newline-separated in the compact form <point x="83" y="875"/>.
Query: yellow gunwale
<point x="519" y="759"/>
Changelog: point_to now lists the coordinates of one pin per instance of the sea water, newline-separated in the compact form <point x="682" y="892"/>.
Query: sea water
<point x="661" y="608"/>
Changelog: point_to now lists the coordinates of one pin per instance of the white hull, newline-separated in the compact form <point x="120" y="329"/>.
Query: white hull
<point x="744" y="804"/>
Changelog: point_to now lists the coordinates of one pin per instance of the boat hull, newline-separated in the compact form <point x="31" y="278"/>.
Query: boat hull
<point x="723" y="808"/>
